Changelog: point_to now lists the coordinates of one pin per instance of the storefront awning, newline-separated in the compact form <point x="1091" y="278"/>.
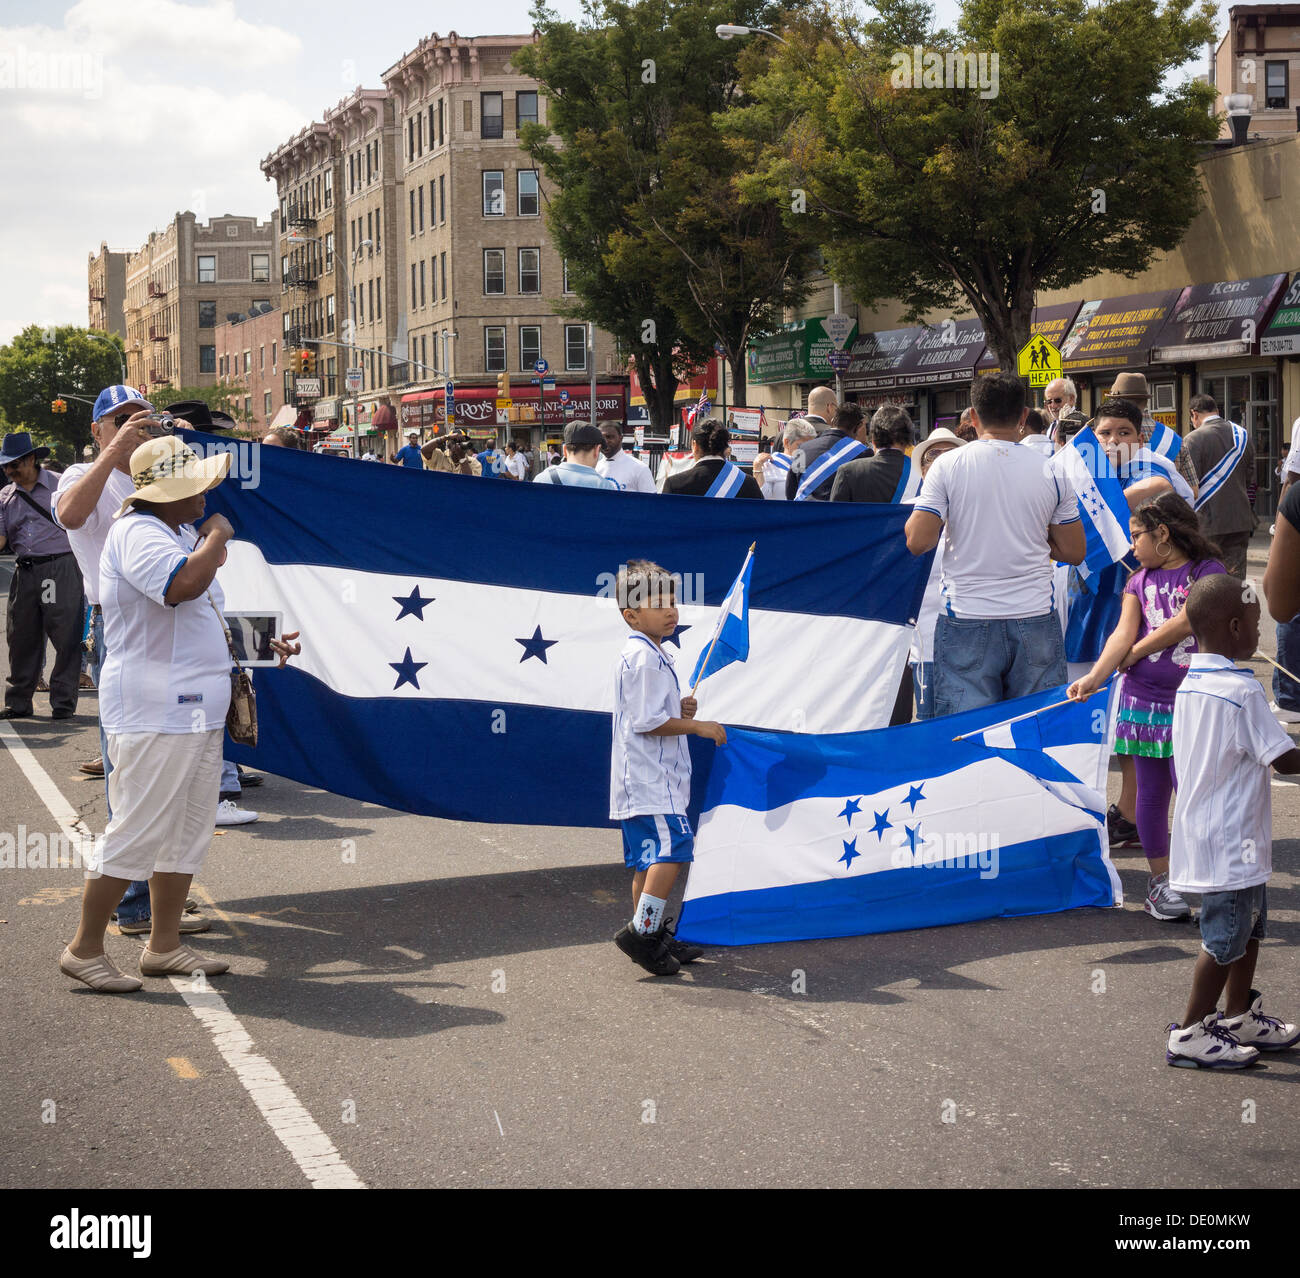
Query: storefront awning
<point x="1116" y="332"/>
<point x="477" y="405"/>
<point x="1282" y="336"/>
<point x="798" y="353"/>
<point x="876" y="357"/>
<point x="1217" y="321"/>
<point x="1051" y="322"/>
<point x="286" y="415"/>
<point x="943" y="353"/>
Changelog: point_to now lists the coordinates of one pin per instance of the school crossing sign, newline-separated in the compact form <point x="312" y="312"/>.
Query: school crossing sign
<point x="1040" y="361"/>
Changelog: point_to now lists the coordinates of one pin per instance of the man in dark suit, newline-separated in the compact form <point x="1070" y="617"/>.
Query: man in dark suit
<point x="1227" y="517"/>
<point x="848" y="426"/>
<point x="878" y="478"/>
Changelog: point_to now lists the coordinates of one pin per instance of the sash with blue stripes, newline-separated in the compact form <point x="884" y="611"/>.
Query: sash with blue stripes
<point x="728" y="482"/>
<point x="826" y="465"/>
<point x="780" y="461"/>
<point x="904" y="480"/>
<point x="1217" y="475"/>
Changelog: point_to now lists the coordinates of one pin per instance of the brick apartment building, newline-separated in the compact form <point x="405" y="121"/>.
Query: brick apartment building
<point x="251" y="358"/>
<point x="181" y="284"/>
<point x="106" y="277"/>
<point x="414" y="204"/>
<point x="1259" y="55"/>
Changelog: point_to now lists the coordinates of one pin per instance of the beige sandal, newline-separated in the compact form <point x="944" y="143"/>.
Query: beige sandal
<point x="98" y="972"/>
<point x="180" y="962"/>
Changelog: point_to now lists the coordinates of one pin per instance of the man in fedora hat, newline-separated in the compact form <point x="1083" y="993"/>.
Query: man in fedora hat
<point x="1133" y="387"/>
<point x="45" y="596"/>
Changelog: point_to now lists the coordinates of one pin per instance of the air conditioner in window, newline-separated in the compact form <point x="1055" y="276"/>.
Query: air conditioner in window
<point x="1164" y="397"/>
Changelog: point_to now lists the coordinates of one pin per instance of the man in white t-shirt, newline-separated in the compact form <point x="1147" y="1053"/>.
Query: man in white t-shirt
<point x="630" y="475"/>
<point x="1007" y="519"/>
<point x="516" y="462"/>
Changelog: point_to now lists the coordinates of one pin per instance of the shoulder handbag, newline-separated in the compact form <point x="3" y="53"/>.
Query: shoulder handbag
<point x="241" y="718"/>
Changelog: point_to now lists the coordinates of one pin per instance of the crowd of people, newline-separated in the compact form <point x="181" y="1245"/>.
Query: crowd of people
<point x="114" y="550"/>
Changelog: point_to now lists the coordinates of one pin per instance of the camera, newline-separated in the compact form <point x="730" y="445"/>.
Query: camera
<point x="162" y="424"/>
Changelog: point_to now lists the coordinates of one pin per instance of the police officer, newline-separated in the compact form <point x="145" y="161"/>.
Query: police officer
<point x="45" y="596"/>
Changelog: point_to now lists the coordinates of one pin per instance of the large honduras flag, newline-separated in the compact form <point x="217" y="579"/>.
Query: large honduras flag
<point x="1103" y="507"/>
<point x="459" y="637"/>
<point x="813" y="836"/>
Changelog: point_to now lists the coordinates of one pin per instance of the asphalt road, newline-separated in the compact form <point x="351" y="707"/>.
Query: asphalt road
<point x="443" y="1003"/>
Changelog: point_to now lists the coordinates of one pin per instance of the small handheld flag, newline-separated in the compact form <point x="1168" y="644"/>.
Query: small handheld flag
<point x="731" y="637"/>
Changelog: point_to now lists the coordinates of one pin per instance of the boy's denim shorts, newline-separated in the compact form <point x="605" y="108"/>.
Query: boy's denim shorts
<point x="651" y="840"/>
<point x="1231" y="919"/>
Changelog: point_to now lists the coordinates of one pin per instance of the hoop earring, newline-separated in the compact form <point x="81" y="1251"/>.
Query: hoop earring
<point x="1164" y="550"/>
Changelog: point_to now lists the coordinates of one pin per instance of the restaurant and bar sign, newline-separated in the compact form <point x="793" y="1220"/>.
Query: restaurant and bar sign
<point x="1217" y="321"/>
<point x="798" y="353"/>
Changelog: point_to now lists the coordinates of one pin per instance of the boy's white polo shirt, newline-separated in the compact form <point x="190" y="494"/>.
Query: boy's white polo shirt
<point x="649" y="776"/>
<point x="996" y="500"/>
<point x="1224" y="739"/>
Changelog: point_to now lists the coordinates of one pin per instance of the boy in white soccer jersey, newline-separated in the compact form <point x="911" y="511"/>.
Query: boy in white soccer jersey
<point x="650" y="767"/>
<point x="1225" y="738"/>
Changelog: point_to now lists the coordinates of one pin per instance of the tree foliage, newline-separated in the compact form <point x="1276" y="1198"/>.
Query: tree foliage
<point x="662" y="253"/>
<point x="1081" y="160"/>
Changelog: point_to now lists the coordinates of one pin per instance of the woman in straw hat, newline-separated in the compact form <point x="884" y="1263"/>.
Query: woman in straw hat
<point x="164" y="691"/>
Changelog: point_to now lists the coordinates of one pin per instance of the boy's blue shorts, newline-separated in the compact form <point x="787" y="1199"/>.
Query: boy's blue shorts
<point x="651" y="840"/>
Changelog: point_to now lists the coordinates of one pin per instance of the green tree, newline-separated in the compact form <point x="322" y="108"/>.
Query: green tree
<point x="661" y="252"/>
<point x="43" y="364"/>
<point x="1072" y="154"/>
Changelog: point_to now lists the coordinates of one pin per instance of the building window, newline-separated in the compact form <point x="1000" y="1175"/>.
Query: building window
<point x="329" y="313"/>
<point x="248" y="362"/>
<point x="442" y="102"/>
<point x="261" y="268"/>
<point x="530" y="270"/>
<point x="575" y="347"/>
<point x="1275" y="86"/>
<point x="491" y="115"/>
<point x="420" y="203"/>
<point x="526" y="108"/>
<point x="433" y="277"/>
<point x="494" y="350"/>
<point x="410" y="195"/>
<point x="530" y="346"/>
<point x="442" y="198"/>
<point x="207" y="314"/>
<point x="526" y="190"/>
<point x="494" y="192"/>
<point x="331" y="376"/>
<point x="207" y="359"/>
<point x="329" y="187"/>
<point x="433" y="204"/>
<point x="413" y="286"/>
<point x="443" y="272"/>
<point x="370" y="231"/>
<point x="260" y="304"/>
<point x="422" y="281"/>
<point x="266" y="405"/>
<point x="261" y="359"/>
<point x="567" y="289"/>
<point x="329" y="250"/>
<point x="410" y="139"/>
<point x="208" y="270"/>
<point x="494" y="271"/>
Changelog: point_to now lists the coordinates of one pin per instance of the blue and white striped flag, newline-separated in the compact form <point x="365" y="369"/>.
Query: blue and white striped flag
<point x="447" y="673"/>
<point x="1103" y="507"/>
<point x="815" y="836"/>
<point x="1165" y="442"/>
<point x="731" y="635"/>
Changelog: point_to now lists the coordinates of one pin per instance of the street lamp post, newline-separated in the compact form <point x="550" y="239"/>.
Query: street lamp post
<point x="728" y="31"/>
<point x="121" y="365"/>
<point x="352" y="345"/>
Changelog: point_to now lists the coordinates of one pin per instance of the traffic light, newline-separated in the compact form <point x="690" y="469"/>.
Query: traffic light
<point x="309" y="363"/>
<point x="59" y="406"/>
<point x="503" y="385"/>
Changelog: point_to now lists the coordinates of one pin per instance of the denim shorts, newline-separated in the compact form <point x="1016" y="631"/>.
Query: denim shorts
<point x="1230" y="919"/>
<point x="651" y="840"/>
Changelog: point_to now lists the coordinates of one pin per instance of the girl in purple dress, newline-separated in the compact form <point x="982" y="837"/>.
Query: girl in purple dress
<point x="1153" y="643"/>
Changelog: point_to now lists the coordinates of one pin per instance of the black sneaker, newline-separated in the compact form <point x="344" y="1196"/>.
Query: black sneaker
<point x="1123" y="833"/>
<point x="682" y="951"/>
<point x="648" y="951"/>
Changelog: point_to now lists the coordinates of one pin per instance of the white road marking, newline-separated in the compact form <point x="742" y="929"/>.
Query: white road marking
<point x="299" y="1133"/>
<point x="499" y="1127"/>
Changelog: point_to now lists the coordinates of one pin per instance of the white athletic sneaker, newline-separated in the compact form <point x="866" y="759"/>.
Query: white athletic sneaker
<point x="1254" y="1029"/>
<point x="1284" y="716"/>
<point x="230" y="813"/>
<point x="1163" y="902"/>
<point x="1207" y="1045"/>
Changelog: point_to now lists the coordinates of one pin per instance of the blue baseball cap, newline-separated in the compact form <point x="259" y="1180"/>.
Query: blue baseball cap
<point x="114" y="398"/>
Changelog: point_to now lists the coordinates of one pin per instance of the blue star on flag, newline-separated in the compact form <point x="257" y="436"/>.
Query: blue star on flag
<point x="850" y="851"/>
<point x="536" y="646"/>
<point x="851" y="808"/>
<point x="913" y="836"/>
<point x="413" y="605"/>
<point x="407" y="670"/>
<point x="676" y="636"/>
<point x="882" y="824"/>
<point x="914" y="796"/>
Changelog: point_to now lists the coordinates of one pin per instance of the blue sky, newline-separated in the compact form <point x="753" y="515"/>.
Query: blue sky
<point x="116" y="114"/>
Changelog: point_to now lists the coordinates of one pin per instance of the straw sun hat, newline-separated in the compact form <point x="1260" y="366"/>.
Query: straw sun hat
<point x="166" y="469"/>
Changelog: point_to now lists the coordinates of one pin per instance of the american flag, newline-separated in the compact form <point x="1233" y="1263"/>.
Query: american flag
<point x="701" y="410"/>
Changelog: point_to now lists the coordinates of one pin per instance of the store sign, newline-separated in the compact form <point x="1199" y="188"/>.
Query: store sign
<point x="1217" y="321"/>
<point x="877" y="356"/>
<point x="798" y="353"/>
<point x="307" y="387"/>
<point x="1282" y="336"/>
<point x="943" y="353"/>
<point x="1116" y="332"/>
